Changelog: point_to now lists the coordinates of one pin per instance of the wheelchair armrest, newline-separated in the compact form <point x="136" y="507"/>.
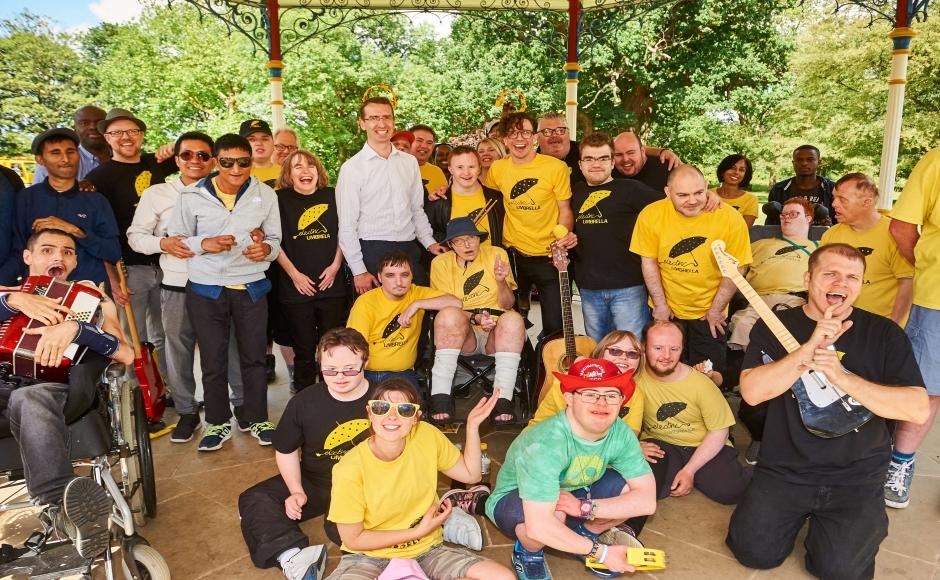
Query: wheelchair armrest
<point x="115" y="370"/>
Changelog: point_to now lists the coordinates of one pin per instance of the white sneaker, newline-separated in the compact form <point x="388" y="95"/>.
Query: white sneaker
<point x="307" y="564"/>
<point x="463" y="529"/>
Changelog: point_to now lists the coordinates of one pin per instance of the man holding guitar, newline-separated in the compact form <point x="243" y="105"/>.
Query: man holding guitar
<point x="836" y="476"/>
<point x="38" y="411"/>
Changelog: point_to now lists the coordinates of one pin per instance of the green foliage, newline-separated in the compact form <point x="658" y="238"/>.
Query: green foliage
<point x="42" y="81"/>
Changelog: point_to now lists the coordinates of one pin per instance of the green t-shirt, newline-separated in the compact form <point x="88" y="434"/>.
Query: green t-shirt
<point x="548" y="458"/>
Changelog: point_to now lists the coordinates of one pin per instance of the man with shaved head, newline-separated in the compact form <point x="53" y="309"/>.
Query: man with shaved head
<point x="93" y="149"/>
<point x="673" y="238"/>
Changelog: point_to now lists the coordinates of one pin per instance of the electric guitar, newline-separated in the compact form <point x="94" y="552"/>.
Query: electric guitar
<point x="560" y="349"/>
<point x="826" y="410"/>
<point x="145" y="362"/>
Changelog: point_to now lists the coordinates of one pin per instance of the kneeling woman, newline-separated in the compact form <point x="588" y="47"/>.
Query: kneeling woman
<point x="384" y="499"/>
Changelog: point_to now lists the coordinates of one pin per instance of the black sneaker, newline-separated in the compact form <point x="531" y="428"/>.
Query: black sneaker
<point x="243" y="425"/>
<point x="87" y="508"/>
<point x="269" y="363"/>
<point x="185" y="427"/>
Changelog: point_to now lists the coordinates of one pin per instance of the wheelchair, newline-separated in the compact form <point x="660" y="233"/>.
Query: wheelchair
<point x="111" y="440"/>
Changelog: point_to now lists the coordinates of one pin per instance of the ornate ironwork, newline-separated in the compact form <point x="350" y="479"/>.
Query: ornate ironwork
<point x="885" y="10"/>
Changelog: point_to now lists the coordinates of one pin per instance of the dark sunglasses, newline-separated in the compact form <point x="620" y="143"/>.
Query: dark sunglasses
<point x="229" y="162"/>
<point x="346" y="373"/>
<point x="403" y="410"/>
<point x="630" y="354"/>
<point x="200" y="155"/>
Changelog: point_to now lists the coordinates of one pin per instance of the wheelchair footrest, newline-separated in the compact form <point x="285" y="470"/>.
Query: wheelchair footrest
<point x="57" y="559"/>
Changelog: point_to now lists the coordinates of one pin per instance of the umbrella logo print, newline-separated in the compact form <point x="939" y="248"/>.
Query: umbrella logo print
<point x="311" y="215"/>
<point x="472" y="282"/>
<point x="668" y="410"/>
<point x="522" y="187"/>
<point x="391" y="327"/>
<point x="473" y="215"/>
<point x="866" y="251"/>
<point x="788" y="249"/>
<point x="592" y="201"/>
<point x="686" y="246"/>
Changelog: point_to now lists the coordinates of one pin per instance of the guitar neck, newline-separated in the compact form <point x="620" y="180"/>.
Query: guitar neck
<point x="566" y="319"/>
<point x="767" y="315"/>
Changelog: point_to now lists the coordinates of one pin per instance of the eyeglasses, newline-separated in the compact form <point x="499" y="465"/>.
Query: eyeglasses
<point x="602" y="159"/>
<point x="200" y="155"/>
<point x="128" y="132"/>
<point x="229" y="162"/>
<point x="630" y="354"/>
<point x="591" y="397"/>
<point x="791" y="215"/>
<point x="345" y="373"/>
<point x="280" y="147"/>
<point x="465" y="242"/>
<point x="377" y="118"/>
<point x="555" y="131"/>
<point x="403" y="410"/>
<point x="524" y="133"/>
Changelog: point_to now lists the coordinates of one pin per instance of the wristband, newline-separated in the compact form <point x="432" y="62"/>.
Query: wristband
<point x="603" y="555"/>
<point x="595" y="548"/>
<point x="95" y="339"/>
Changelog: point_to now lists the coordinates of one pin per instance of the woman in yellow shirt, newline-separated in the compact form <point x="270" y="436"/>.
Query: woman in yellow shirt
<point x="384" y="498"/>
<point x="622" y="348"/>
<point x="734" y="177"/>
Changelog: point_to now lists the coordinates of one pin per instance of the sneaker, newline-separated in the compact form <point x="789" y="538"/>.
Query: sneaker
<point x="898" y="485"/>
<point x="263" y="431"/>
<point x="185" y="427"/>
<point x="215" y="436"/>
<point x="622" y="535"/>
<point x="753" y="450"/>
<point x="529" y="565"/>
<point x="463" y="529"/>
<point x="269" y="364"/>
<point x="307" y="564"/>
<point x="243" y="425"/>
<point x="472" y="501"/>
<point x="86" y="508"/>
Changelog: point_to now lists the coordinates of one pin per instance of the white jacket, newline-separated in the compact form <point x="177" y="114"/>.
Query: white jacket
<point x="149" y="226"/>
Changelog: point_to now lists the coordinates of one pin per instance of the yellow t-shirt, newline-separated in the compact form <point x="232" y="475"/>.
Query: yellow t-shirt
<point x="884" y="264"/>
<point x="554" y="403"/>
<point x="683" y="412"/>
<point x="778" y="265"/>
<point x="531" y="192"/>
<point x="470" y="205"/>
<point x="393" y="495"/>
<point x="475" y="285"/>
<point x="745" y="204"/>
<point x="432" y="177"/>
<point x="391" y="346"/>
<point x="918" y="205"/>
<point x="682" y="246"/>
<point x="228" y="200"/>
<point x="267" y="175"/>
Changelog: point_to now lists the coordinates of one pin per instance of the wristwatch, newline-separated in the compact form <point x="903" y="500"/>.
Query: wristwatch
<point x="586" y="508"/>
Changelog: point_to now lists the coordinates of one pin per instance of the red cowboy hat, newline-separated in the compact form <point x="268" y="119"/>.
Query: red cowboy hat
<point x="596" y="373"/>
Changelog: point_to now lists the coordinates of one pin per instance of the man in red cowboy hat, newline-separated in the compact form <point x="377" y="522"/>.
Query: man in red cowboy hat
<point x="569" y="480"/>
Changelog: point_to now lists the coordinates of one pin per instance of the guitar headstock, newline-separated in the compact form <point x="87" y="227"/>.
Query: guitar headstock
<point x="560" y="257"/>
<point x="727" y="263"/>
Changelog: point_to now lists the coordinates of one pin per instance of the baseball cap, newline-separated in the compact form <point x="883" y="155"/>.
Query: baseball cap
<point x="254" y="126"/>
<point x="54" y="133"/>
<point x="404" y="135"/>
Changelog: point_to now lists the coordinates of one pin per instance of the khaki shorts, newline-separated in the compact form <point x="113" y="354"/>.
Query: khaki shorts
<point x="744" y="320"/>
<point x="481" y="336"/>
<point x="439" y="563"/>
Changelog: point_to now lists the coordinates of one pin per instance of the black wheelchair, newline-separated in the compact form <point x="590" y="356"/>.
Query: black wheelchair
<point x="111" y="441"/>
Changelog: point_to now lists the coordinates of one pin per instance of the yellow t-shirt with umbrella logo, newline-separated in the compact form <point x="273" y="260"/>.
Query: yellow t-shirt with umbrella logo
<point x="475" y="285"/>
<point x="470" y="205"/>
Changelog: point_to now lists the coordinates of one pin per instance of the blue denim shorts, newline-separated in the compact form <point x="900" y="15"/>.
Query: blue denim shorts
<point x="508" y="511"/>
<point x="923" y="328"/>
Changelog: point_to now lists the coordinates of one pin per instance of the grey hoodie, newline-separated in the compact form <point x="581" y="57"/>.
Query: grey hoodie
<point x="200" y="214"/>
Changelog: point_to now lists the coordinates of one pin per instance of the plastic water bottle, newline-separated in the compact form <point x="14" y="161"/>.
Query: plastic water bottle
<point x="484" y="464"/>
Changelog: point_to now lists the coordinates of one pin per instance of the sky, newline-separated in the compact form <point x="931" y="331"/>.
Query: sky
<point x="81" y="15"/>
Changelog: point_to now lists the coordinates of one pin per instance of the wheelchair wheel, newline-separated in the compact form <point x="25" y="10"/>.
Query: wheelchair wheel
<point x="139" y="479"/>
<point x="150" y="564"/>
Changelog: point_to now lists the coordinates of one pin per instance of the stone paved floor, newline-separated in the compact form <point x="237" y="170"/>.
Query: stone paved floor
<point x="197" y="526"/>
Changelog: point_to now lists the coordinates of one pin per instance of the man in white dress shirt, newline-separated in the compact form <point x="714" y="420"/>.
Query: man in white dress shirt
<point x="380" y="198"/>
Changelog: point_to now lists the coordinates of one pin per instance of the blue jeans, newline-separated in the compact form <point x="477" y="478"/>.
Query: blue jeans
<point x="923" y="328"/>
<point x="614" y="309"/>
<point x="376" y="377"/>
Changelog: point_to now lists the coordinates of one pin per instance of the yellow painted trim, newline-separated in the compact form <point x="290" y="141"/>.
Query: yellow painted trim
<point x="572" y="81"/>
<point x="275" y="64"/>
<point x="902" y="31"/>
<point x="571" y="66"/>
<point x="277" y="102"/>
<point x="571" y="103"/>
<point x="897" y="82"/>
<point x="901" y="51"/>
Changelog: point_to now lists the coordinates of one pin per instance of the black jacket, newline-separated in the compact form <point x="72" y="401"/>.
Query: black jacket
<point x="439" y="214"/>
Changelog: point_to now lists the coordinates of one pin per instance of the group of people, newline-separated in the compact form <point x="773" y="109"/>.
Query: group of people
<point x="249" y="236"/>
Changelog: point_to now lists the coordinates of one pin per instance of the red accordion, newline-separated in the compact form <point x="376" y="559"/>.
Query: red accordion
<point x="17" y="348"/>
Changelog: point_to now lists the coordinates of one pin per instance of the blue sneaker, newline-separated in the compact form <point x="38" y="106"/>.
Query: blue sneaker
<point x="215" y="436"/>
<point x="529" y="565"/>
<point x="263" y="431"/>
